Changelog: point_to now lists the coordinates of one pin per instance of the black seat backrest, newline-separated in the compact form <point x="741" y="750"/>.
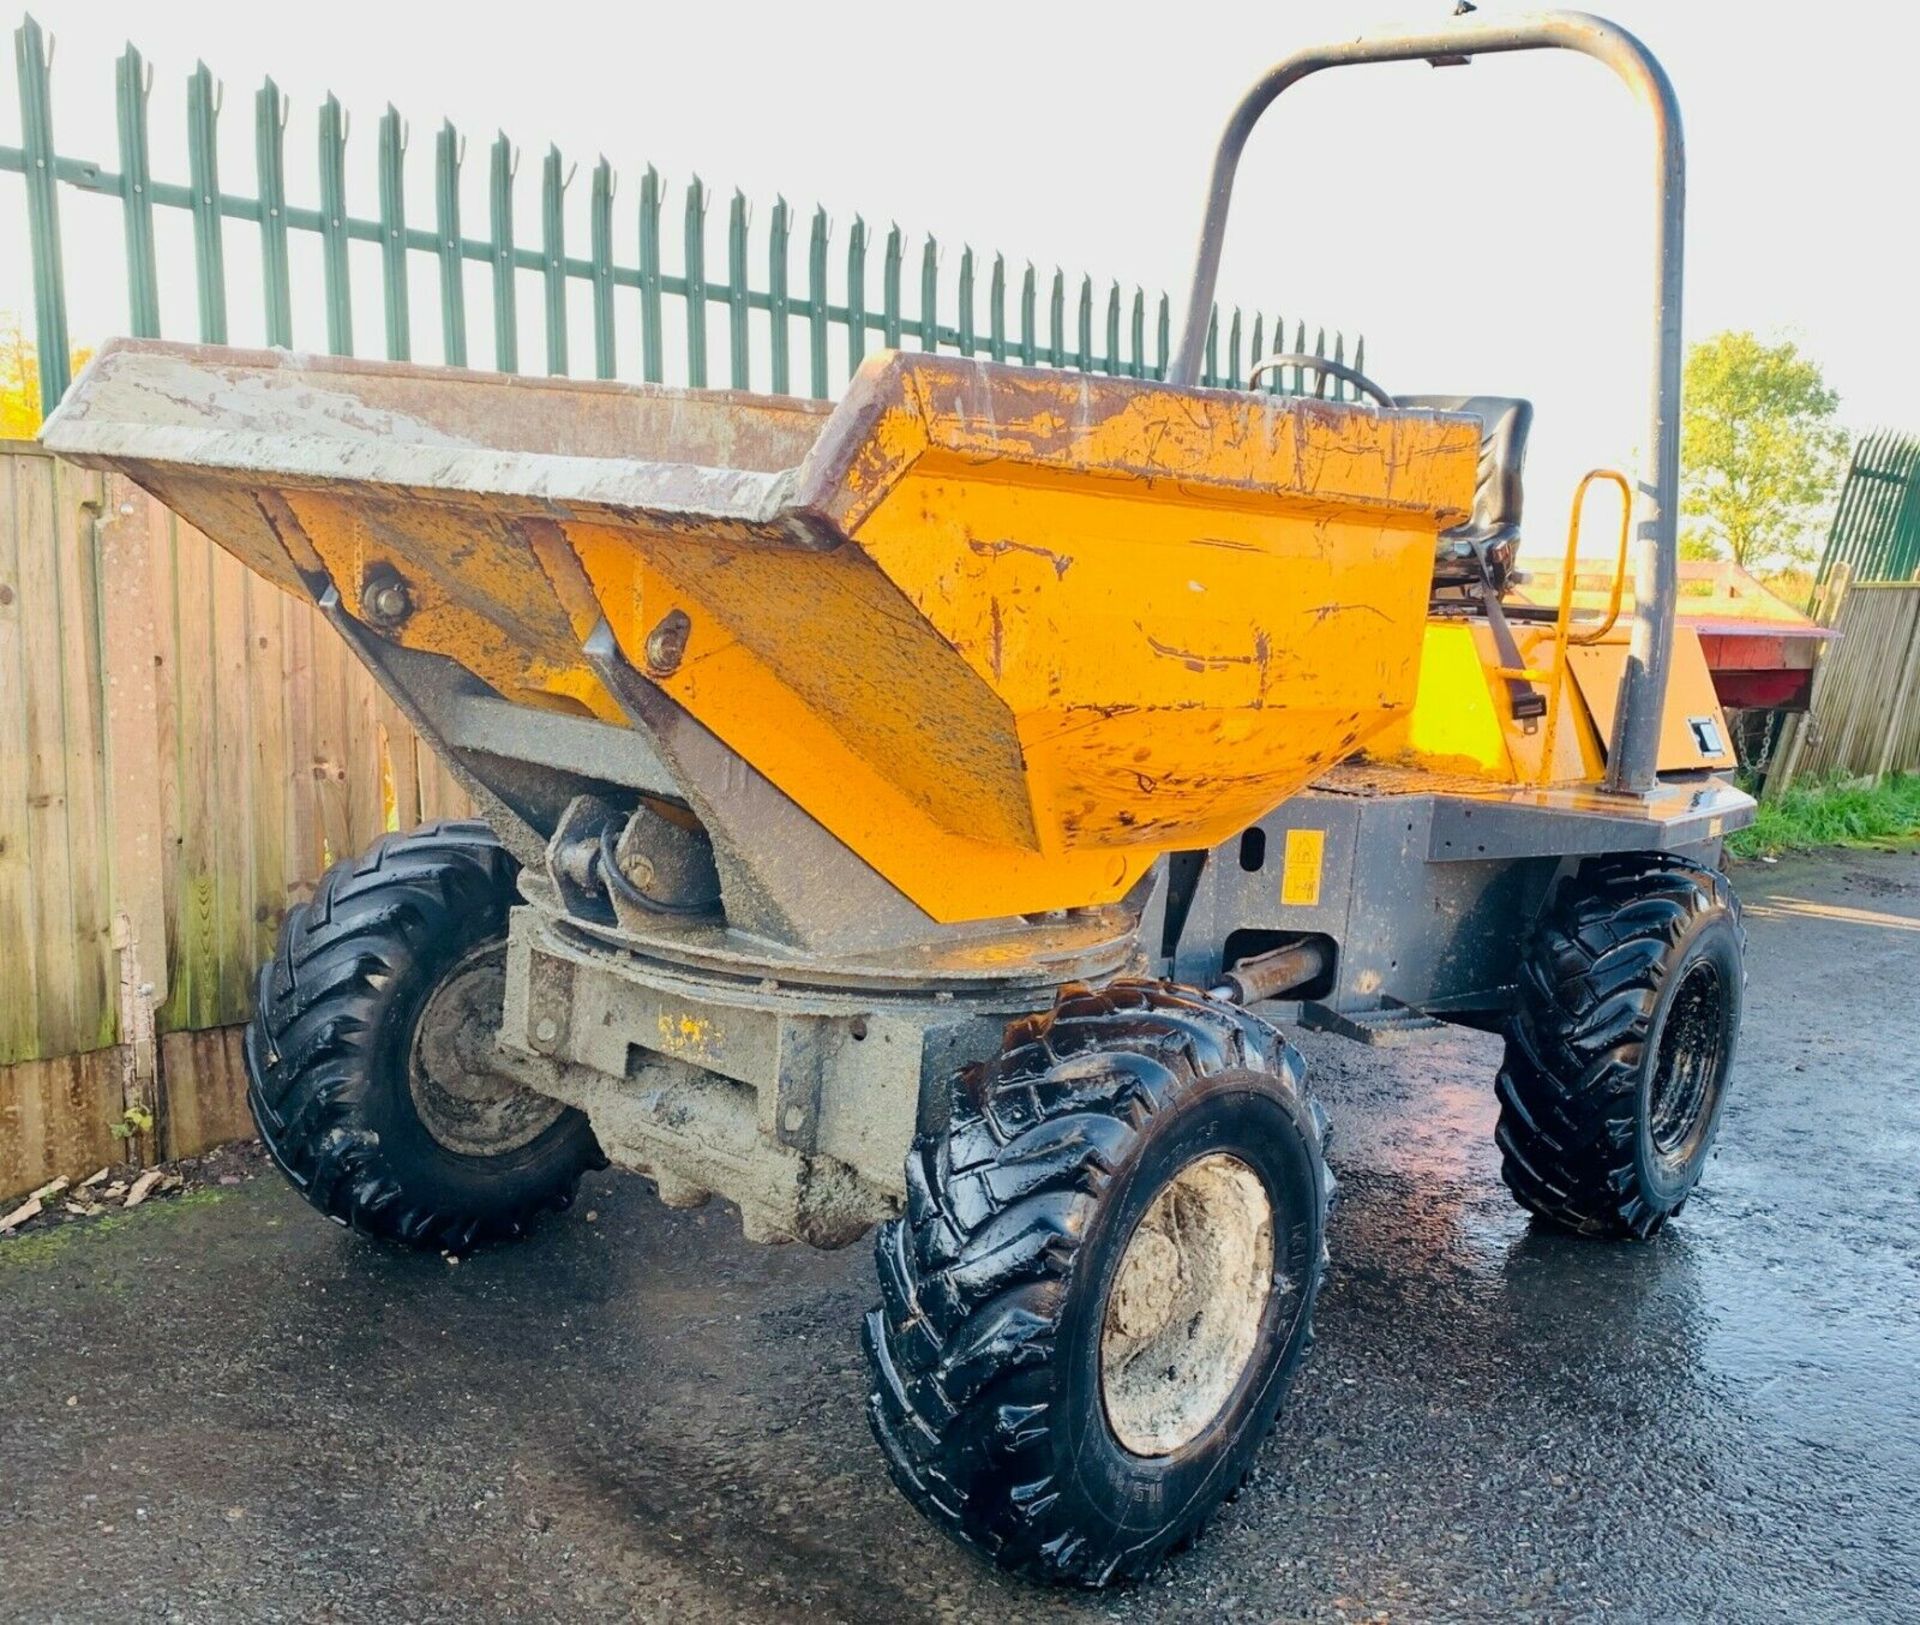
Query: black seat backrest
<point x="1494" y="528"/>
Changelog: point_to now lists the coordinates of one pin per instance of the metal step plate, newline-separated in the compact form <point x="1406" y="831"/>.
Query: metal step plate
<point x="1388" y="1023"/>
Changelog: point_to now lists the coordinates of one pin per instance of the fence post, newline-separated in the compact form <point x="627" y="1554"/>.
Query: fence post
<point x="125" y="543"/>
<point x="132" y="82"/>
<point x="553" y="245"/>
<point x="449" y="149"/>
<point x="393" y="233"/>
<point x="817" y="304"/>
<point x="506" y="318"/>
<point x="930" y="296"/>
<point x="696" y="280"/>
<point x="779" y="306"/>
<point x="997" y="309"/>
<point x="203" y="166"/>
<point x="890" y="267"/>
<point x="600" y="233"/>
<point x="739" y="361"/>
<point x="856" y="294"/>
<point x="270" y="127"/>
<point x="333" y="226"/>
<point x="34" y="59"/>
<point x="1029" y="301"/>
<point x="652" y="334"/>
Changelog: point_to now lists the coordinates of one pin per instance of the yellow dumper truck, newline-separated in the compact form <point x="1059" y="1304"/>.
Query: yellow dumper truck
<point x="893" y="811"/>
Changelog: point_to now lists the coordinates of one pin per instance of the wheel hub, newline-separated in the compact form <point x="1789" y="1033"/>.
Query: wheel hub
<point x="463" y="1099"/>
<point x="1186" y="1306"/>
<point x="1688" y="1064"/>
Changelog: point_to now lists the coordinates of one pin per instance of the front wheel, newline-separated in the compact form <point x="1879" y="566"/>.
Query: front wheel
<point x="369" y="1053"/>
<point x="1619" y="1051"/>
<point x="1103" y="1282"/>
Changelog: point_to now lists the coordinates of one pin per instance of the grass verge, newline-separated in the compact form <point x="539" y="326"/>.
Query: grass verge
<point x="1811" y="816"/>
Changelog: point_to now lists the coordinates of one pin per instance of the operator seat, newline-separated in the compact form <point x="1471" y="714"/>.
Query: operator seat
<point x="1493" y="533"/>
<point x="1473" y="563"/>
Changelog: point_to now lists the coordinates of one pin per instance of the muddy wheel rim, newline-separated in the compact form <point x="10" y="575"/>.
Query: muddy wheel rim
<point x="1187" y="1304"/>
<point x="462" y="1100"/>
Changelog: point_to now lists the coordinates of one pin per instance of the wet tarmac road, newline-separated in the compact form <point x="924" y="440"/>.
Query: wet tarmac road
<point x="224" y="1408"/>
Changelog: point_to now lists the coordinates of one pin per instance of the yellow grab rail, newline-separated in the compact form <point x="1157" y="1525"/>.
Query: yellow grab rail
<point x="1563" y="627"/>
<point x="1563" y="633"/>
<point x="1555" y="676"/>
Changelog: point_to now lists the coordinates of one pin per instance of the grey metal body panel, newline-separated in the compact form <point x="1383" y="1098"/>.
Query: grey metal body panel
<point x="1425" y="896"/>
<point x="798" y="1103"/>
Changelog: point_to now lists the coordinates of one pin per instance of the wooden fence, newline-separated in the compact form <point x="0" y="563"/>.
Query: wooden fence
<point x="1864" y="719"/>
<point x="183" y="750"/>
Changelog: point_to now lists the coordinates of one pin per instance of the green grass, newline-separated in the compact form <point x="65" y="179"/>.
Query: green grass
<point x="1811" y="816"/>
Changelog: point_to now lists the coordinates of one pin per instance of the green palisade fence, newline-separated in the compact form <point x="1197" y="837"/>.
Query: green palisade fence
<point x="1876" y="526"/>
<point x="716" y="296"/>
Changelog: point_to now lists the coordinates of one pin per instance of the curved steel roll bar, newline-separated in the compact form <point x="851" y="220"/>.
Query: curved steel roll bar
<point x="1633" y="758"/>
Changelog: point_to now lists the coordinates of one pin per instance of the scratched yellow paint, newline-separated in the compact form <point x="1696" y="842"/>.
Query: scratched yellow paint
<point x="477" y="589"/>
<point x="1049" y="626"/>
<point x="1079" y="623"/>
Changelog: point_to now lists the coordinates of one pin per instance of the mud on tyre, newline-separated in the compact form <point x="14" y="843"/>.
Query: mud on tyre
<point x="1618" y="1053"/>
<point x="367" y="1052"/>
<point x="1103" y="1282"/>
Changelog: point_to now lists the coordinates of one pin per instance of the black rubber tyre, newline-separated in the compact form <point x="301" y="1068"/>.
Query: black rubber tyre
<point x="1618" y="1054"/>
<point x="986" y="1352"/>
<point x="331" y="1045"/>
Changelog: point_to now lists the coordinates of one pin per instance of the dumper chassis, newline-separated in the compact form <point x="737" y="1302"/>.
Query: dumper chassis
<point x="838" y="859"/>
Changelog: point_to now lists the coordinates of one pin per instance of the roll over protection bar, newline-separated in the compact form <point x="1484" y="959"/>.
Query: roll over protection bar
<point x="1633" y="757"/>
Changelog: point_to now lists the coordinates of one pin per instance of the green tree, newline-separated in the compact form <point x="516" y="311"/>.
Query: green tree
<point x="1760" y="451"/>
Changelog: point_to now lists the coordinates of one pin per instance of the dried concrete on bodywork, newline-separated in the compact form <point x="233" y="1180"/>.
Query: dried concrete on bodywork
<point x="232" y="1410"/>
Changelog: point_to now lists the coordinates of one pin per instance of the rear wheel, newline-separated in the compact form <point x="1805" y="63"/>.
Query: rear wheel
<point x="1103" y="1282"/>
<point x="1618" y="1054"/>
<point x="369" y="1056"/>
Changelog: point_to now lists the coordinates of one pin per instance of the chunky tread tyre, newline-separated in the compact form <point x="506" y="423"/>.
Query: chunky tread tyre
<point x="328" y="1048"/>
<point x="968" y="1350"/>
<point x="1576" y="1083"/>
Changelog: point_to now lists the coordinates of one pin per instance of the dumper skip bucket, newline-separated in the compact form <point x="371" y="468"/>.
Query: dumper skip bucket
<point x="1006" y="634"/>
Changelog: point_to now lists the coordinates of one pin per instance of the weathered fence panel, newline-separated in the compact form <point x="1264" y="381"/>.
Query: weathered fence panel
<point x="183" y="750"/>
<point x="1864" y="719"/>
<point x="1876" y="522"/>
<point x="57" y="997"/>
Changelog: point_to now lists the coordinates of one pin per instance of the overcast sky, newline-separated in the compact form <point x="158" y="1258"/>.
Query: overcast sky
<point x="1486" y="228"/>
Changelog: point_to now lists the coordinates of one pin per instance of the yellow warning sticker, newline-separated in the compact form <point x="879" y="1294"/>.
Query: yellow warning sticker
<point x="1300" y="879"/>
